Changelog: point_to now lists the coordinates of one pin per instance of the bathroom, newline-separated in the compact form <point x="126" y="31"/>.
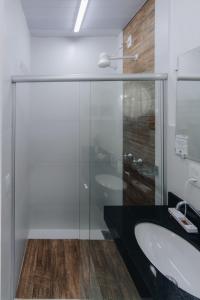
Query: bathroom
<point x="100" y="174"/>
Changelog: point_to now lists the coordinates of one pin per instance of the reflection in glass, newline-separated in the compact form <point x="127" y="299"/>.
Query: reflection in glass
<point x="187" y="120"/>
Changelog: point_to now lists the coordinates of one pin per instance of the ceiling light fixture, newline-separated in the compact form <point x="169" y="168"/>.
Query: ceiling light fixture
<point x="81" y="15"/>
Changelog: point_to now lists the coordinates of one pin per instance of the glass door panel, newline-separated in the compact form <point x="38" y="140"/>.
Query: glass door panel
<point x="125" y="170"/>
<point x="142" y="143"/>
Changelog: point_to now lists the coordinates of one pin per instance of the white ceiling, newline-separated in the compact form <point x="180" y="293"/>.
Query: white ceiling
<point x="57" y="17"/>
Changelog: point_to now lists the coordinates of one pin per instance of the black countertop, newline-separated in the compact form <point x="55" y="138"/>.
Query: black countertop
<point x="122" y="220"/>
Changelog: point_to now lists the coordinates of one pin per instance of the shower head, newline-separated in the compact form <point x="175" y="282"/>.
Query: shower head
<point x="105" y="59"/>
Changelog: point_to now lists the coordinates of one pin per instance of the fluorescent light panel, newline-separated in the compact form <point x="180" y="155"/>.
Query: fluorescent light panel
<point x="81" y="15"/>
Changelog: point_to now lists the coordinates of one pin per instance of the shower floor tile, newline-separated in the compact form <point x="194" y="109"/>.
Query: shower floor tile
<point x="63" y="269"/>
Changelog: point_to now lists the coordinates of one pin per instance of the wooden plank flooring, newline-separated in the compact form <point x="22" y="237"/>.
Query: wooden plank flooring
<point x="63" y="269"/>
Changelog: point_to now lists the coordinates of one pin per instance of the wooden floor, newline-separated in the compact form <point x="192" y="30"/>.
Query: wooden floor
<point x="73" y="269"/>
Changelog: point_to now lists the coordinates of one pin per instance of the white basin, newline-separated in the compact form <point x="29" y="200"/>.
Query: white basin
<point x="173" y="256"/>
<point x="110" y="182"/>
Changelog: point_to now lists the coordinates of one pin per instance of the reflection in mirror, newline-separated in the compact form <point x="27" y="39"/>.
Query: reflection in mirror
<point x="189" y="62"/>
<point x="188" y="107"/>
<point x="188" y="120"/>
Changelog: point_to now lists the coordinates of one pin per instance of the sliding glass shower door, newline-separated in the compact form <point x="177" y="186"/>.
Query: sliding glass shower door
<point x="142" y="143"/>
<point x="70" y="148"/>
<point x="126" y="140"/>
<point x="47" y="205"/>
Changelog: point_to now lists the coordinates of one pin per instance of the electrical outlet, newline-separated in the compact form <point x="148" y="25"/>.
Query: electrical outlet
<point x="194" y="172"/>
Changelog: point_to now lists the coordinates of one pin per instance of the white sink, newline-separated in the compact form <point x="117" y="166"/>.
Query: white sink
<point x="173" y="256"/>
<point x="110" y="182"/>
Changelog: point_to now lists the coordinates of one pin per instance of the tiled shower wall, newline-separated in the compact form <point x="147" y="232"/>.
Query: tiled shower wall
<point x="139" y="120"/>
<point x="142" y="29"/>
<point x="139" y="110"/>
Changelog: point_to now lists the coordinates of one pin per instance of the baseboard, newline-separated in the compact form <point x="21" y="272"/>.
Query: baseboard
<point x="65" y="234"/>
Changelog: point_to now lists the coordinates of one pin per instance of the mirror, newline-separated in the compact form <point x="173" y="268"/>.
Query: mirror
<point x="188" y="107"/>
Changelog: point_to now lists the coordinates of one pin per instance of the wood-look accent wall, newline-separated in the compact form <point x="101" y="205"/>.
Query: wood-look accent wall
<point x="142" y="29"/>
<point x="139" y="110"/>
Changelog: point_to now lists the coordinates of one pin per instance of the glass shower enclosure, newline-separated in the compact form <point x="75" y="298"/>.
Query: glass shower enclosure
<point x="69" y="153"/>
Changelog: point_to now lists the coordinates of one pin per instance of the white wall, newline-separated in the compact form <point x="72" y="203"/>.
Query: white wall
<point x="60" y="128"/>
<point x="22" y="201"/>
<point x="162" y="18"/>
<point x="16" y="60"/>
<point x="54" y="156"/>
<point x="1" y="107"/>
<point x="63" y="56"/>
<point x="181" y="24"/>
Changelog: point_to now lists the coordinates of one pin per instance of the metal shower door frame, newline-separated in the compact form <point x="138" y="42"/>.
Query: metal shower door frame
<point x="159" y="78"/>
